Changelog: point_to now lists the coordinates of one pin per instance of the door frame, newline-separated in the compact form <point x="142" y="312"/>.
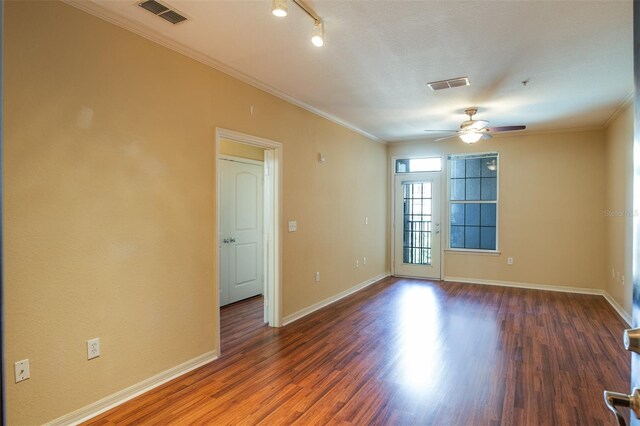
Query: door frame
<point x="272" y="211"/>
<point x="444" y="228"/>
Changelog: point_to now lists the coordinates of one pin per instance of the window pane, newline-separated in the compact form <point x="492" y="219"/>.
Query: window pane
<point x="457" y="214"/>
<point x="417" y="223"/>
<point x="488" y="214"/>
<point x="472" y="215"/>
<point x="425" y="164"/>
<point x="472" y="189"/>
<point x="457" y="237"/>
<point x="488" y="238"/>
<point x="473" y="167"/>
<point x="457" y="168"/>
<point x="457" y="189"/>
<point x="408" y="165"/>
<point x="402" y="166"/>
<point x="471" y="237"/>
<point x="489" y="188"/>
<point x="490" y="167"/>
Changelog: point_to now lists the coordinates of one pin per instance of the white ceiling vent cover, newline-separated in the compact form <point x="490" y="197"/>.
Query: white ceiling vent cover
<point x="162" y="11"/>
<point x="448" y="84"/>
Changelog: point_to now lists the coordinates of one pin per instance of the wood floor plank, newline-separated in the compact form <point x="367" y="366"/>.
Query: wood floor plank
<point x="404" y="352"/>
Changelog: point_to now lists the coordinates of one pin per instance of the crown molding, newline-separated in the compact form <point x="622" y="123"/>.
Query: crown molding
<point x="98" y="11"/>
<point x="500" y="135"/>
<point x="628" y="100"/>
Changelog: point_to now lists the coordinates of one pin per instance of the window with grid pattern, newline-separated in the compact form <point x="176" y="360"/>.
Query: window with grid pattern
<point x="473" y="202"/>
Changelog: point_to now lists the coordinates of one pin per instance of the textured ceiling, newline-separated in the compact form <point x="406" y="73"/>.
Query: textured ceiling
<point x="372" y="72"/>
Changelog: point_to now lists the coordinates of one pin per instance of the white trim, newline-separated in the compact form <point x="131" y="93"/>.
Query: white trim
<point x="120" y="397"/>
<point x="546" y="287"/>
<point x="273" y="247"/>
<point x="316" y="306"/>
<point x="619" y="309"/>
<point x="475" y="252"/>
<point x="98" y="11"/>
<point x="619" y="109"/>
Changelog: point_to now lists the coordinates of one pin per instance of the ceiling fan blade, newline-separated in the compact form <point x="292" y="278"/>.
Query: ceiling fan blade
<point x="505" y="128"/>
<point x="441" y="131"/>
<point x="446" y="137"/>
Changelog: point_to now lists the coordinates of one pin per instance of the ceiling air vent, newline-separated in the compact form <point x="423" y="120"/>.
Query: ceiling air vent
<point x="448" y="84"/>
<point x="162" y="11"/>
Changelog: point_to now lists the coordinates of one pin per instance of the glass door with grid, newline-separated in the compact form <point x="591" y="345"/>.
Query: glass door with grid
<point x="417" y="225"/>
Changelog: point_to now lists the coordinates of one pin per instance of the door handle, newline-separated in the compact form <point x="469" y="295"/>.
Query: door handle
<point x="632" y="340"/>
<point x="226" y="240"/>
<point x="232" y="240"/>
<point x="616" y="399"/>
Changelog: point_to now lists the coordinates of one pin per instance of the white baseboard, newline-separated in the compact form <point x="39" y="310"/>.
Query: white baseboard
<point x="306" y="311"/>
<point x="619" y="309"/>
<point x="131" y="392"/>
<point x="578" y="290"/>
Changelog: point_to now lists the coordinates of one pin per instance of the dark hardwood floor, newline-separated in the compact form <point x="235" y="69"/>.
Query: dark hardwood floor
<point x="405" y="352"/>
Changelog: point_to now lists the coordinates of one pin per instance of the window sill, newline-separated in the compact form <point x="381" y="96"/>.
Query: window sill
<point x="474" y="252"/>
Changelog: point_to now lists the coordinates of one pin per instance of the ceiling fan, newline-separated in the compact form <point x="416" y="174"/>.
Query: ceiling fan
<point x="471" y="131"/>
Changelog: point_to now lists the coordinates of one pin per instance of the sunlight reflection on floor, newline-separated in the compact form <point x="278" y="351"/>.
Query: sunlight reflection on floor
<point x="419" y="345"/>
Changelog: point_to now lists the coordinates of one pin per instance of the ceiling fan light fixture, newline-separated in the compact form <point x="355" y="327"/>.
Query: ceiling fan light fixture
<point x="470" y="137"/>
<point x="279" y="8"/>
<point x="318" y="34"/>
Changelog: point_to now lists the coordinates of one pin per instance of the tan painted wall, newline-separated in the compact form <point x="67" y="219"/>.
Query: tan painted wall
<point x="551" y="218"/>
<point x="235" y="149"/>
<point x="110" y="213"/>
<point x="619" y="208"/>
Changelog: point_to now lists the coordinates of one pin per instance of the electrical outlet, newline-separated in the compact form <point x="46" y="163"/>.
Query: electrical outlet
<point x="93" y="348"/>
<point x="623" y="280"/>
<point x="357" y="263"/>
<point x="509" y="260"/>
<point x="364" y="260"/>
<point x="613" y="272"/>
<point x="366" y="220"/>
<point x="22" y="370"/>
<point x="317" y="277"/>
<point x="293" y="226"/>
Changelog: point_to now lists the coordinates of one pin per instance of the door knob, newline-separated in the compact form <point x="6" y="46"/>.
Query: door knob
<point x="226" y="240"/>
<point x="616" y="399"/>
<point x="632" y="340"/>
<point x="232" y="240"/>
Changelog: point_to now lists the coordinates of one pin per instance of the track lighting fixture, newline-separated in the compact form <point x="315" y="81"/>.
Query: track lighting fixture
<point x="318" y="34"/>
<point x="279" y="8"/>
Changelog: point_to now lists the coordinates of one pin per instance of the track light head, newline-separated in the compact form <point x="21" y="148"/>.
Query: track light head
<point x="279" y="8"/>
<point x="318" y="34"/>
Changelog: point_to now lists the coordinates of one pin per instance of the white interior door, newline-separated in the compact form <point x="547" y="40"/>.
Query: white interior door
<point x="417" y="225"/>
<point x="241" y="222"/>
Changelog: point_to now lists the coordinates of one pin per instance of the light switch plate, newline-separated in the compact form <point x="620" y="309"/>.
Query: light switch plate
<point x="22" y="370"/>
<point x="293" y="226"/>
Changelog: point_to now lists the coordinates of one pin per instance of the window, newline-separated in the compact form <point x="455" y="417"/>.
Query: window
<point x="473" y="201"/>
<point x="413" y="165"/>
<point x="417" y="217"/>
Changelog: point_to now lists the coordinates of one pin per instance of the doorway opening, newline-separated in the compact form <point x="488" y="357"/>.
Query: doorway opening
<point x="241" y="213"/>
<point x="248" y="257"/>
